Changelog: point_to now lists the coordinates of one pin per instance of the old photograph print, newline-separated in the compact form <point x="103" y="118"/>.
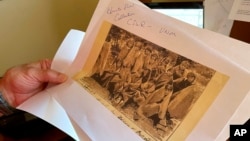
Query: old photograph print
<point x="149" y="85"/>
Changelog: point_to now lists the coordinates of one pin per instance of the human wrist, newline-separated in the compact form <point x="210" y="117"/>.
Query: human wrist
<point x="7" y="94"/>
<point x="5" y="107"/>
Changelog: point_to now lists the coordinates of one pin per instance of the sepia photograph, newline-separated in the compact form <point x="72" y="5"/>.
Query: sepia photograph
<point x="149" y="85"/>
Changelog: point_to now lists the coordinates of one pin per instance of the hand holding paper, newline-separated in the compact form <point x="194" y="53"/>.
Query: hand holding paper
<point x="126" y="76"/>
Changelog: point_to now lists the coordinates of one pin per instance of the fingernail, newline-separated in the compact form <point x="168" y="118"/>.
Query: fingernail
<point x="63" y="77"/>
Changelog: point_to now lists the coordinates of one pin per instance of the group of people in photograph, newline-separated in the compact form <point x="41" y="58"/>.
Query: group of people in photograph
<point x="145" y="77"/>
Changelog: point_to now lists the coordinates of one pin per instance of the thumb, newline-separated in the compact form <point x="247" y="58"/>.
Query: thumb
<point x="52" y="76"/>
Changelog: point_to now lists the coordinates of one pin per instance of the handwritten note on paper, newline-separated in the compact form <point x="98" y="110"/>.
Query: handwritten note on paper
<point x="240" y="10"/>
<point x="126" y="14"/>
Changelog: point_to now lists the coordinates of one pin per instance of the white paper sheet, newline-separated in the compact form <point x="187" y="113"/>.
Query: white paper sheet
<point x="216" y="16"/>
<point x="241" y="115"/>
<point x="240" y="11"/>
<point x="216" y="49"/>
<point x="43" y="105"/>
<point x="87" y="119"/>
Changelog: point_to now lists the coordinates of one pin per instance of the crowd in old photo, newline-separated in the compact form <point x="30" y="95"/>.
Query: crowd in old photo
<point x="158" y="84"/>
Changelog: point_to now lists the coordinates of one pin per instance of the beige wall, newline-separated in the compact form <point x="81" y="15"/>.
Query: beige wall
<point x="73" y="14"/>
<point x="27" y="31"/>
<point x="33" y="29"/>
